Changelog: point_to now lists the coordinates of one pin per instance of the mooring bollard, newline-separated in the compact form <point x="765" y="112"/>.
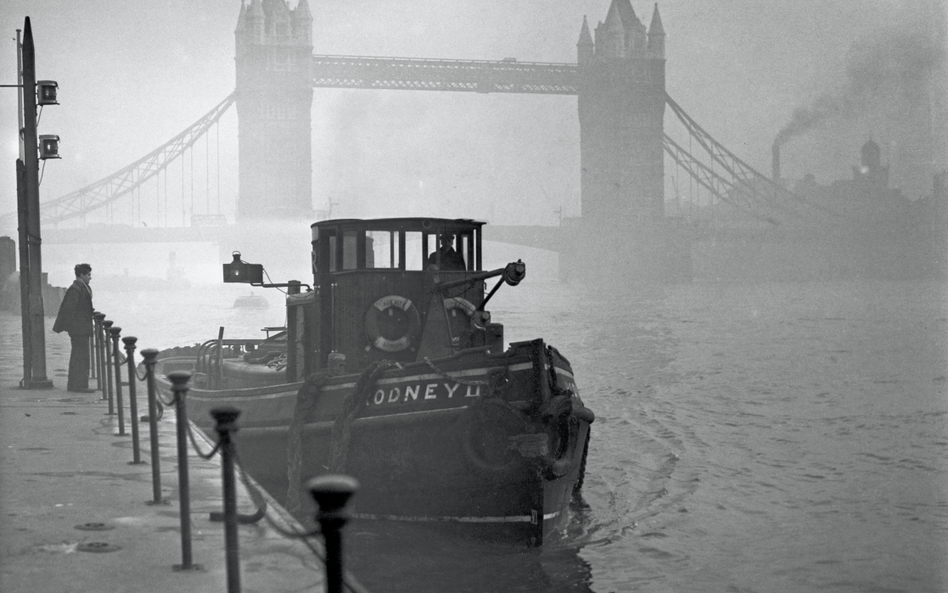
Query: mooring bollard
<point x="226" y="417"/>
<point x="129" y="342"/>
<point x="107" y="363"/>
<point x="97" y="318"/>
<point x="150" y="357"/>
<point x="179" y="385"/>
<point x="114" y="332"/>
<point x="332" y="493"/>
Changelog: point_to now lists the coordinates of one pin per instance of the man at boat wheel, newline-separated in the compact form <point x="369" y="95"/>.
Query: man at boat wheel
<point x="446" y="258"/>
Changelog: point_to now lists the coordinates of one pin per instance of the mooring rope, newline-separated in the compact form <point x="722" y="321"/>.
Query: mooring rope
<point x="305" y="400"/>
<point x="351" y="406"/>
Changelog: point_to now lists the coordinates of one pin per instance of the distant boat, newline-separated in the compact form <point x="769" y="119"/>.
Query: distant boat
<point x="251" y="301"/>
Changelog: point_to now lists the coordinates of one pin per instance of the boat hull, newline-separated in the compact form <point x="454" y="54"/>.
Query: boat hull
<point x="492" y="445"/>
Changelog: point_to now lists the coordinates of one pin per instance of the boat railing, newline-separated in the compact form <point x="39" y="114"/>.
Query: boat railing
<point x="211" y="353"/>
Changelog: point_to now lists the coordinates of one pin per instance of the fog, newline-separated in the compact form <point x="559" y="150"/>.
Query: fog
<point x="799" y="419"/>
<point x="132" y="75"/>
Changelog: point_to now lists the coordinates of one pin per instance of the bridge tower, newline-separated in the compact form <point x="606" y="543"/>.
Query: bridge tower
<point x="621" y="101"/>
<point x="274" y="55"/>
<point x="621" y="109"/>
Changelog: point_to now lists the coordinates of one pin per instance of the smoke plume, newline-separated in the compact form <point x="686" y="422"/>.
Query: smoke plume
<point x="899" y="58"/>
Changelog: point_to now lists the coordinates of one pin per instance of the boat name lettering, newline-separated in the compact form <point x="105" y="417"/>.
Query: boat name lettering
<point x="429" y="391"/>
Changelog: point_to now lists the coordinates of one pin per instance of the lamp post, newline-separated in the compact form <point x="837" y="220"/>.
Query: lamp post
<point x="31" y="260"/>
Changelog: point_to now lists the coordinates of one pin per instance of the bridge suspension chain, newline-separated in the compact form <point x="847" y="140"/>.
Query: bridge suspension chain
<point x="744" y="179"/>
<point x="107" y="190"/>
<point x="725" y="190"/>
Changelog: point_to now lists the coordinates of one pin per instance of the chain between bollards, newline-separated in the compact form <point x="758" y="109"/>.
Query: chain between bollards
<point x="150" y="356"/>
<point x="114" y="332"/>
<point x="107" y="363"/>
<point x="332" y="493"/>
<point x="226" y="418"/>
<point x="129" y="342"/>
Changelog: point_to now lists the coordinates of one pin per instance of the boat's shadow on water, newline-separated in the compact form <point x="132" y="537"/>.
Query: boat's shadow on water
<point x="394" y="557"/>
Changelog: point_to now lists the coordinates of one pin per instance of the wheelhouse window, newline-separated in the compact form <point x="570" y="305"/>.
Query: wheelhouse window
<point x="414" y="251"/>
<point x="355" y="245"/>
<point x="381" y="250"/>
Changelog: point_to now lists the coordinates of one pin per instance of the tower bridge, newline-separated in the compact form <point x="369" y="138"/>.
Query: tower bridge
<point x="619" y="82"/>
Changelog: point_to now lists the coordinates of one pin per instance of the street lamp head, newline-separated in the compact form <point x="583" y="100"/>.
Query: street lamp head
<point x="48" y="146"/>
<point x="46" y="92"/>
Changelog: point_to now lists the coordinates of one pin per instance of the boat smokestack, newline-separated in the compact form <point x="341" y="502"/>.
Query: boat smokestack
<point x="775" y="162"/>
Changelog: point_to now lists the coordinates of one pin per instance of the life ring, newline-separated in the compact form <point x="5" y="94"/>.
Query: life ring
<point x="460" y="323"/>
<point x="395" y="317"/>
<point x="485" y="430"/>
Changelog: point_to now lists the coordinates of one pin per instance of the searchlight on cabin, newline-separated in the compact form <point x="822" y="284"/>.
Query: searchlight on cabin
<point x="240" y="271"/>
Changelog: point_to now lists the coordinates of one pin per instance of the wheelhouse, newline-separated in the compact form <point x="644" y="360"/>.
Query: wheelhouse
<point x="383" y="290"/>
<point x="404" y="244"/>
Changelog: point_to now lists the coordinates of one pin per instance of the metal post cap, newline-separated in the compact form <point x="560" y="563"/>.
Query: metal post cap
<point x="108" y="323"/>
<point x="129" y="340"/>
<point x="115" y="331"/>
<point x="225" y="415"/>
<point x="98" y="315"/>
<point x="332" y="492"/>
<point x="149" y="354"/>
<point x="179" y="378"/>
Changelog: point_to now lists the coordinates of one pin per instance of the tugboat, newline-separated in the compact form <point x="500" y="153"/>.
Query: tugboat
<point x="391" y="370"/>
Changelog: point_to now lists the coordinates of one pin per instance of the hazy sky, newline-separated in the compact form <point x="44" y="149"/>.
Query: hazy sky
<point x="134" y="74"/>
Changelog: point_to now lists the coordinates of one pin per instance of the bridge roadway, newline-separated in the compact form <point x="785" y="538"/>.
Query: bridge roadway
<point x="420" y="74"/>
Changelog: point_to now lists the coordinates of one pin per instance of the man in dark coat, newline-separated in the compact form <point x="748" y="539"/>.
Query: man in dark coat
<point x="75" y="318"/>
<point x="446" y="258"/>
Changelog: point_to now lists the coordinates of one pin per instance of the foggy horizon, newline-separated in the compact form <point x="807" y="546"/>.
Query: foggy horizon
<point x="764" y="370"/>
<point x="130" y="78"/>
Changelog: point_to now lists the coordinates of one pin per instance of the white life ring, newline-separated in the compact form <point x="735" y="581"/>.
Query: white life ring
<point x="374" y="316"/>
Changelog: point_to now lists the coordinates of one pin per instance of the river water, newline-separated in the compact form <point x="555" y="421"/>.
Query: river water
<point x="749" y="437"/>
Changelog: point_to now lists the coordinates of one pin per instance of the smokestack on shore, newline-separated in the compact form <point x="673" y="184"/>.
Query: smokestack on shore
<point x="775" y="162"/>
